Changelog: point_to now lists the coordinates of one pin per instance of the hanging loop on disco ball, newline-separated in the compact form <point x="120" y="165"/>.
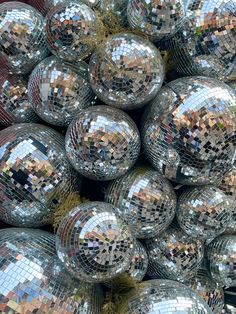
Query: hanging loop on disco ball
<point x="188" y="130"/>
<point x="22" y="37"/>
<point x="94" y="243"/>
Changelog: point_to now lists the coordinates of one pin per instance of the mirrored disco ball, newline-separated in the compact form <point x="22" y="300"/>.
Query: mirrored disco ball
<point x="206" y="43"/>
<point x="146" y="200"/>
<point x="203" y="212"/>
<point x="22" y="37"/>
<point x="14" y="103"/>
<point x="71" y="29"/>
<point x="139" y="262"/>
<point x="157" y="19"/>
<point x="208" y="289"/>
<point x="188" y="130"/>
<point x="57" y="90"/>
<point x="94" y="243"/>
<point x="164" y="297"/>
<point x="174" y="255"/>
<point x="116" y="7"/>
<point x="127" y="72"/>
<point x="221" y="254"/>
<point x="228" y="186"/>
<point x="102" y="143"/>
<point x="35" y="175"/>
<point x="32" y="279"/>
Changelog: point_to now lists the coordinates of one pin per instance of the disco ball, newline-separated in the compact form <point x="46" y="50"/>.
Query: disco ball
<point x="94" y="243"/>
<point x="22" y="39"/>
<point x="32" y="279"/>
<point x="146" y="200"/>
<point x="14" y="103"/>
<point x="58" y="91"/>
<point x="210" y="291"/>
<point x="102" y="143"/>
<point x="205" y="45"/>
<point x="203" y="212"/>
<point x="35" y="175"/>
<point x="174" y="255"/>
<point x="139" y="262"/>
<point x="221" y="254"/>
<point x="164" y="297"/>
<point x="116" y="7"/>
<point x="127" y="72"/>
<point x="189" y="130"/>
<point x="71" y="29"/>
<point x="228" y="186"/>
<point x="157" y="19"/>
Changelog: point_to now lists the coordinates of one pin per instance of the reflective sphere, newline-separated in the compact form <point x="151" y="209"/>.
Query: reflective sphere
<point x="57" y="91"/>
<point x="174" y="255"/>
<point x="14" y="103"/>
<point x="188" y="131"/>
<point x="165" y="297"/>
<point x="71" y="30"/>
<point x="157" y="19"/>
<point x="102" y="143"/>
<point x="32" y="279"/>
<point x="228" y="186"/>
<point x="94" y="243"/>
<point x="116" y="7"/>
<point x="22" y="39"/>
<point x="139" y="262"/>
<point x="146" y="200"/>
<point x="203" y="212"/>
<point x="211" y="292"/>
<point x="221" y="256"/>
<point x="35" y="174"/>
<point x="206" y="43"/>
<point x="127" y="71"/>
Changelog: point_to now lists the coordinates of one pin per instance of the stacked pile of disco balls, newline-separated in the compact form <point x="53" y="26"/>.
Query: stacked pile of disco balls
<point x="142" y="123"/>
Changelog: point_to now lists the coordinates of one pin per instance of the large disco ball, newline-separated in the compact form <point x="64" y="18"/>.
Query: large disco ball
<point x="174" y="255"/>
<point x="58" y="91"/>
<point x="208" y="289"/>
<point x="127" y="71"/>
<point x="22" y="39"/>
<point x="157" y="19"/>
<point x="189" y="130"/>
<point x="146" y="200"/>
<point x="205" y="45"/>
<point x="116" y="7"/>
<point x="221" y="254"/>
<point x="139" y="262"/>
<point x="203" y="212"/>
<point x="15" y="106"/>
<point x="35" y="175"/>
<point x="33" y="280"/>
<point x="71" y="29"/>
<point x="94" y="243"/>
<point x="102" y="143"/>
<point x="228" y="186"/>
<point x="164" y="297"/>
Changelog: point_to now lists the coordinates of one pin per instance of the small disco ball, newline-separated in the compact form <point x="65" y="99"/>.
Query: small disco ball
<point x="102" y="143"/>
<point x="145" y="199"/>
<point x="14" y="103"/>
<point x="174" y="255"/>
<point x="33" y="280"/>
<point x="203" y="212"/>
<point x="164" y="297"/>
<point x="35" y="175"/>
<point x="205" y="45"/>
<point x="157" y="19"/>
<point x="22" y="39"/>
<point x="228" y="186"/>
<point x="94" y="243"/>
<point x="127" y="72"/>
<point x="139" y="262"/>
<point x="58" y="91"/>
<point x="208" y="289"/>
<point x="221" y="255"/>
<point x="116" y="7"/>
<point x="189" y="130"/>
<point x="71" y="29"/>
